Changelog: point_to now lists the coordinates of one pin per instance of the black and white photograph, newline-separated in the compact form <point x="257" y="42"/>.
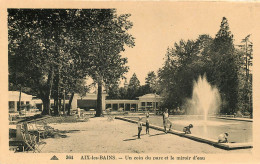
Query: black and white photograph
<point x="132" y="81"/>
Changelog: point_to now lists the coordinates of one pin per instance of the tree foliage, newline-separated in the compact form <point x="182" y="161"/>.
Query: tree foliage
<point x="215" y="57"/>
<point x="225" y="70"/>
<point x="134" y="89"/>
<point x="151" y="82"/>
<point x="134" y="85"/>
<point x="51" y="50"/>
<point x="244" y="58"/>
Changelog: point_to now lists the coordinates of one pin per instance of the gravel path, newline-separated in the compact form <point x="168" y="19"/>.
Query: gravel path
<point x="99" y="135"/>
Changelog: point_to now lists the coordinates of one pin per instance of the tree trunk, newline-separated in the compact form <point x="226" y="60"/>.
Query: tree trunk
<point x="20" y="95"/>
<point x="57" y="93"/>
<point x="46" y="99"/>
<point x="64" y="104"/>
<point x="56" y="104"/>
<point x="59" y="106"/>
<point x="70" y="102"/>
<point x="46" y="106"/>
<point x="99" y="100"/>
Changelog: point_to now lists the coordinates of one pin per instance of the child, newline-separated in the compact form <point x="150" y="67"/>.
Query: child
<point x="166" y="120"/>
<point x="187" y="129"/>
<point x="222" y="138"/>
<point x="147" y="122"/>
<point x="139" y="127"/>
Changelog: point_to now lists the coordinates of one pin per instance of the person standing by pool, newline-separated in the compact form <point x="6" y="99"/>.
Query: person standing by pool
<point x="147" y="122"/>
<point x="166" y="120"/>
<point x="139" y="124"/>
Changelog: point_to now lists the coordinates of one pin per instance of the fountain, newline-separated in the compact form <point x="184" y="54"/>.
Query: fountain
<point x="205" y="102"/>
<point x="205" y="98"/>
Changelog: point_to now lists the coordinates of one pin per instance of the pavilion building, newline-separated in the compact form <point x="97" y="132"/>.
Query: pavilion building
<point x="145" y="102"/>
<point x="14" y="100"/>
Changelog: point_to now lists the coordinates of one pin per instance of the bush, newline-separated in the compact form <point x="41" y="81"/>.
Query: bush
<point x="239" y="114"/>
<point x="246" y="113"/>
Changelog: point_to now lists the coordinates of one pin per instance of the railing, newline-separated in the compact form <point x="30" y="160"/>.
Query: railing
<point x="225" y="115"/>
<point x="233" y="116"/>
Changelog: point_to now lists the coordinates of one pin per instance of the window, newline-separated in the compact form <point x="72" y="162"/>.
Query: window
<point x="143" y="103"/>
<point x="11" y="104"/>
<point x="108" y="106"/>
<point x="149" y="104"/>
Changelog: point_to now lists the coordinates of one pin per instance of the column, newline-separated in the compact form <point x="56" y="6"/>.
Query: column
<point x="42" y="107"/>
<point x="74" y="103"/>
<point x="15" y="106"/>
<point x="103" y="102"/>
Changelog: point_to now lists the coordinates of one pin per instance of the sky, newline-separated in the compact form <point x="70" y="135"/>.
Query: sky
<point x="157" y="26"/>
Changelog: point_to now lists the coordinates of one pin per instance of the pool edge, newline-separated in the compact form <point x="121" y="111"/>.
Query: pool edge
<point x="226" y="146"/>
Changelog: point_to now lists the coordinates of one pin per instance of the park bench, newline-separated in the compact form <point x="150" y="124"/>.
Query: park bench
<point x="37" y="129"/>
<point x="25" y="140"/>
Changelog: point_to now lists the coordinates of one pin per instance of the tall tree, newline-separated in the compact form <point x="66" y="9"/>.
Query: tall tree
<point x="113" y="91"/>
<point x="247" y="48"/>
<point x="178" y="73"/>
<point x="225" y="67"/>
<point x="151" y="82"/>
<point x="45" y="43"/>
<point x="245" y="56"/>
<point x="109" y="36"/>
<point x="27" y="56"/>
<point x="133" y="87"/>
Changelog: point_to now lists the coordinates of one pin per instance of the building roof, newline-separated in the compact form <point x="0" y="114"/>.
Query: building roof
<point x="121" y="101"/>
<point x="14" y="96"/>
<point x="150" y="95"/>
<point x="89" y="96"/>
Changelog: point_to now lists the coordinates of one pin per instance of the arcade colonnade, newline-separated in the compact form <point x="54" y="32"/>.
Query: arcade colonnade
<point x="145" y="102"/>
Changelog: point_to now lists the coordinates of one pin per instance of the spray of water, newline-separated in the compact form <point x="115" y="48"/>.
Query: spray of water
<point x="205" y="98"/>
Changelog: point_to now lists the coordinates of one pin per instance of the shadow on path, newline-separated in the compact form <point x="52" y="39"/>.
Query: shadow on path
<point x="131" y="139"/>
<point x="140" y="135"/>
<point x="69" y="131"/>
<point x="157" y="134"/>
<point x="61" y="133"/>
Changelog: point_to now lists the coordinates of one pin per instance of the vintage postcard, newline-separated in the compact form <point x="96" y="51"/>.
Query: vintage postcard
<point x="129" y="81"/>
